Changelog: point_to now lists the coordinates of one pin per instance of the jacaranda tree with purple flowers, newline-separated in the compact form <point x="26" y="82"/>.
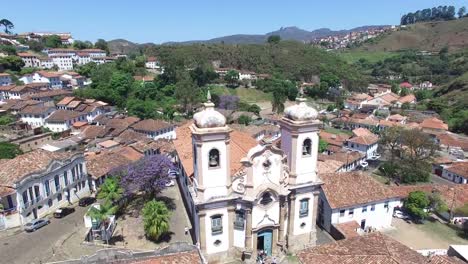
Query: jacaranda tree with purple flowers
<point x="148" y="175"/>
<point x="228" y="102"/>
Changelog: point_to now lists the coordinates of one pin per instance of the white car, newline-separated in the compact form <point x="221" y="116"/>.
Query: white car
<point x="364" y="164"/>
<point x="400" y="215"/>
<point x="170" y="183"/>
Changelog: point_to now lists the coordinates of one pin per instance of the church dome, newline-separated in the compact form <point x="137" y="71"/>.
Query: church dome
<point x="300" y="111"/>
<point x="209" y="117"/>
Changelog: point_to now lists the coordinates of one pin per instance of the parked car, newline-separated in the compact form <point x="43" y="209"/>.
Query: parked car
<point x="36" y="224"/>
<point x="170" y="183"/>
<point x="85" y="201"/>
<point x="401" y="215"/>
<point x="64" y="211"/>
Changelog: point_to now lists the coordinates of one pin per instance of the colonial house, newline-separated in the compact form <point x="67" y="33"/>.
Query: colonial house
<point x="47" y="63"/>
<point x="433" y="125"/>
<point x="5" y="79"/>
<point x="355" y="198"/>
<point x="17" y="91"/>
<point x="351" y="160"/>
<point x="53" y="78"/>
<point x="335" y="141"/>
<point x="83" y="58"/>
<point x="152" y="63"/>
<point x="30" y="60"/>
<point x="95" y="53"/>
<point x="35" y="115"/>
<point x="367" y="144"/>
<point x="64" y="62"/>
<point x="384" y="101"/>
<point x="62" y="120"/>
<point x="397" y="118"/>
<point x="38" y="182"/>
<point x="356" y="101"/>
<point x="456" y="172"/>
<point x="243" y="197"/>
<point x="155" y="129"/>
<point x="407" y="99"/>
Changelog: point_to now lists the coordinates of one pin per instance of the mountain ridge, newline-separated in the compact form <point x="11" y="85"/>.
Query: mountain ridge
<point x="286" y="33"/>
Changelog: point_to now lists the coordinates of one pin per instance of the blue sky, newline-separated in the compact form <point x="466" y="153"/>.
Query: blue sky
<point x="178" y="20"/>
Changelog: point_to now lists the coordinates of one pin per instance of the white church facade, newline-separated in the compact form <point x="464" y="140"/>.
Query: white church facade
<point x="245" y="196"/>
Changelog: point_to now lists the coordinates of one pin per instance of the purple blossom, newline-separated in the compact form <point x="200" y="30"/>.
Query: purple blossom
<point x="148" y="175"/>
<point x="228" y="102"/>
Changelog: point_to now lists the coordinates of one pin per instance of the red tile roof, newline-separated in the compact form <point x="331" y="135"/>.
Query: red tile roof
<point x="361" y="132"/>
<point x="407" y="99"/>
<point x="348" y="229"/>
<point x="35" y="161"/>
<point x="103" y="163"/>
<point x="151" y="125"/>
<point x="459" y="168"/>
<point x="63" y="115"/>
<point x="433" y="123"/>
<point x="347" y="189"/>
<point x="365" y="140"/>
<point x="374" y="248"/>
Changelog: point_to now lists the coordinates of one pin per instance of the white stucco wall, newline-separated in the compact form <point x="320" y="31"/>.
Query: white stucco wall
<point x="380" y="218"/>
<point x="214" y="179"/>
<point x="306" y="165"/>
<point x="262" y="176"/>
<point x="263" y="216"/>
<point x="305" y="224"/>
<point x="223" y="237"/>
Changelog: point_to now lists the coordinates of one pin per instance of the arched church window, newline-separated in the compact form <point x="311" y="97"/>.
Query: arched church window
<point x="306" y="147"/>
<point x="213" y="158"/>
<point x="266" y="199"/>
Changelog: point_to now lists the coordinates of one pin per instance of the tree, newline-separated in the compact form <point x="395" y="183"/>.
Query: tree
<point x="9" y="150"/>
<point x="156" y="219"/>
<point x="416" y="203"/>
<point x="110" y="190"/>
<point x="102" y="213"/>
<point x="418" y="146"/>
<point x="149" y="175"/>
<point x="461" y="12"/>
<point x="244" y="120"/>
<point x="12" y="63"/>
<point x="78" y="44"/>
<point x="35" y="45"/>
<point x="436" y="203"/>
<point x="52" y="41"/>
<point x="228" y="102"/>
<point x="232" y="78"/>
<point x="404" y="91"/>
<point x="186" y="91"/>
<point x="254" y="109"/>
<point x="203" y="75"/>
<point x="102" y="44"/>
<point x="390" y="140"/>
<point x="274" y="39"/>
<point x="6" y="119"/>
<point x="7" y="24"/>
<point x="8" y="49"/>
<point x="278" y="99"/>
<point x="323" y="145"/>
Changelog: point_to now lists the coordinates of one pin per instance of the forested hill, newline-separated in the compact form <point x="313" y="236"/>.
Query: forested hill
<point x="290" y="59"/>
<point x="429" y="36"/>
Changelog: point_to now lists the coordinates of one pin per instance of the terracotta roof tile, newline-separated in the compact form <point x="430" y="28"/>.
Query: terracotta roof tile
<point x="35" y="161"/>
<point x="407" y="99"/>
<point x="330" y="166"/>
<point x="374" y="248"/>
<point x="433" y="123"/>
<point x="361" y="132"/>
<point x="151" y="125"/>
<point x="333" y="139"/>
<point x="346" y="157"/>
<point x="63" y="115"/>
<point x="348" y="229"/>
<point x="347" y="189"/>
<point x="36" y="109"/>
<point x="365" y="140"/>
<point x="103" y="163"/>
<point x="459" y="168"/>
<point x="457" y="193"/>
<point x="453" y="141"/>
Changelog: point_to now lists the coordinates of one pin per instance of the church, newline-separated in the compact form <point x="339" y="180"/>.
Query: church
<point x="245" y="196"/>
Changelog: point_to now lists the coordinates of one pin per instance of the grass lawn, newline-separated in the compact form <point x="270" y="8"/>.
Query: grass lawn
<point x="371" y="56"/>
<point x="338" y="131"/>
<point x="248" y="95"/>
<point x="442" y="231"/>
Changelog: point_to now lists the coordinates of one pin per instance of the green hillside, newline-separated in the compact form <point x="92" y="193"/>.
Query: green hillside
<point x="430" y="36"/>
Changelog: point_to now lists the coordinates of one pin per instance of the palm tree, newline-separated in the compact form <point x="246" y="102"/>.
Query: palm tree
<point x="110" y="190"/>
<point x="101" y="214"/>
<point x="156" y="219"/>
<point x="7" y="24"/>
